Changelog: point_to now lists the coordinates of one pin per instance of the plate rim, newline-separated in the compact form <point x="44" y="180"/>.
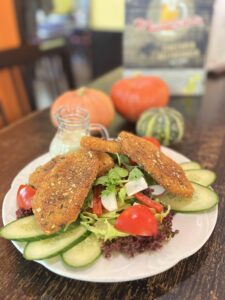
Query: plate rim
<point x="132" y="277"/>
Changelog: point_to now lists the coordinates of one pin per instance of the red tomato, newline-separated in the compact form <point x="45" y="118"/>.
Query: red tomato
<point x="153" y="141"/>
<point x="149" y="202"/>
<point x="97" y="204"/>
<point x="25" y="195"/>
<point x="137" y="220"/>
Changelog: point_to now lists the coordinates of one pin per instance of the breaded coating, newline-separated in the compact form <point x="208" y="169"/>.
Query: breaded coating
<point x="163" y="169"/>
<point x="59" y="198"/>
<point x="106" y="163"/>
<point x="97" y="144"/>
<point x="38" y="176"/>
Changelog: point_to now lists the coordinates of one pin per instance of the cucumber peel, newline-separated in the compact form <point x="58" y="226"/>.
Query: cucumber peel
<point x="83" y="254"/>
<point x="202" y="177"/>
<point x="202" y="199"/>
<point x="54" y="245"/>
<point x="24" y="229"/>
<point x="191" y="165"/>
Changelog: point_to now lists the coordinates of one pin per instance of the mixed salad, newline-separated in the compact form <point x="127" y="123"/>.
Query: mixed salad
<point x="125" y="211"/>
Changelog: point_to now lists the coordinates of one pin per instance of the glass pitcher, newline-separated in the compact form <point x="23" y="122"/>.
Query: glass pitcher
<point x="73" y="123"/>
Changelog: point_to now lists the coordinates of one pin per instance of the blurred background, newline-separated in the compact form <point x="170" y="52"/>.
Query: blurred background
<point x="50" y="46"/>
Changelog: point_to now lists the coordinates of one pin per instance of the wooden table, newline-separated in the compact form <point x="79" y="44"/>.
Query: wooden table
<point x="199" y="277"/>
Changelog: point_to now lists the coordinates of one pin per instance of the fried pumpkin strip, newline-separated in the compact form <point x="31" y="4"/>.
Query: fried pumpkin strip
<point x="97" y="144"/>
<point x="106" y="163"/>
<point x="59" y="198"/>
<point x="163" y="169"/>
<point x="38" y="176"/>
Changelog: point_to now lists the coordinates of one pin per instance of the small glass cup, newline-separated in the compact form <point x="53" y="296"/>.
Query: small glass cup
<point x="73" y="123"/>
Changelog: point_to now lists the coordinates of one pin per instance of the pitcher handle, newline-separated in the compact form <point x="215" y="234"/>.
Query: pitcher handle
<point x="100" y="128"/>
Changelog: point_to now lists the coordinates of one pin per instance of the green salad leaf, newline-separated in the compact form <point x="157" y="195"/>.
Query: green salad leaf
<point x="163" y="214"/>
<point x="135" y="174"/>
<point x="103" y="229"/>
<point x="122" y="196"/>
<point x="115" y="177"/>
<point x="88" y="217"/>
<point x="117" y="173"/>
<point x="121" y="159"/>
<point x="103" y="180"/>
<point x="148" y="178"/>
<point x="103" y="226"/>
<point x="110" y="215"/>
<point x="108" y="190"/>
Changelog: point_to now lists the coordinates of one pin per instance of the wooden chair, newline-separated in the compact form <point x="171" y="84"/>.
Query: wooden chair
<point x="16" y="97"/>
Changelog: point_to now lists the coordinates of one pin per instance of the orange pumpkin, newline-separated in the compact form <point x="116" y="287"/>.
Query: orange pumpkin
<point x="98" y="104"/>
<point x="134" y="95"/>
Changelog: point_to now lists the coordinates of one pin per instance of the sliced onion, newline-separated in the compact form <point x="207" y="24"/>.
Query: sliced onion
<point x="134" y="186"/>
<point x="157" y="190"/>
<point x="109" y="202"/>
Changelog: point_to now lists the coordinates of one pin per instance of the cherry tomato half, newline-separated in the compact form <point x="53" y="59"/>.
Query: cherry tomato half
<point x="25" y="195"/>
<point x="137" y="220"/>
<point x="152" y="140"/>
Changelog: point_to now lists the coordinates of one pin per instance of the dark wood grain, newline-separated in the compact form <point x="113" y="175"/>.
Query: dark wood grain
<point x="198" y="277"/>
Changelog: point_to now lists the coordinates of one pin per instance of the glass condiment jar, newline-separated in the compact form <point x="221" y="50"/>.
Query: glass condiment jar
<point x="73" y="123"/>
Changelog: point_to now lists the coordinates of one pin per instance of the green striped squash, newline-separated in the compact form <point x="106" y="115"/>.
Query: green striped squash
<point x="165" y="124"/>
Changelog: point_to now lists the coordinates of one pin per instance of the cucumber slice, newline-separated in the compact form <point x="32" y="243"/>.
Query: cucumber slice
<point x="54" y="245"/>
<point x="202" y="177"/>
<point x="192" y="165"/>
<point x="24" y="229"/>
<point x="202" y="199"/>
<point x="83" y="254"/>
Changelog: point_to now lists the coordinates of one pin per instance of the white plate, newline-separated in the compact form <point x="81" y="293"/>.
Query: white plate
<point x="120" y="268"/>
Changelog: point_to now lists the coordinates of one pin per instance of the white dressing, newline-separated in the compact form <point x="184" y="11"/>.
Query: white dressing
<point x="66" y="141"/>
